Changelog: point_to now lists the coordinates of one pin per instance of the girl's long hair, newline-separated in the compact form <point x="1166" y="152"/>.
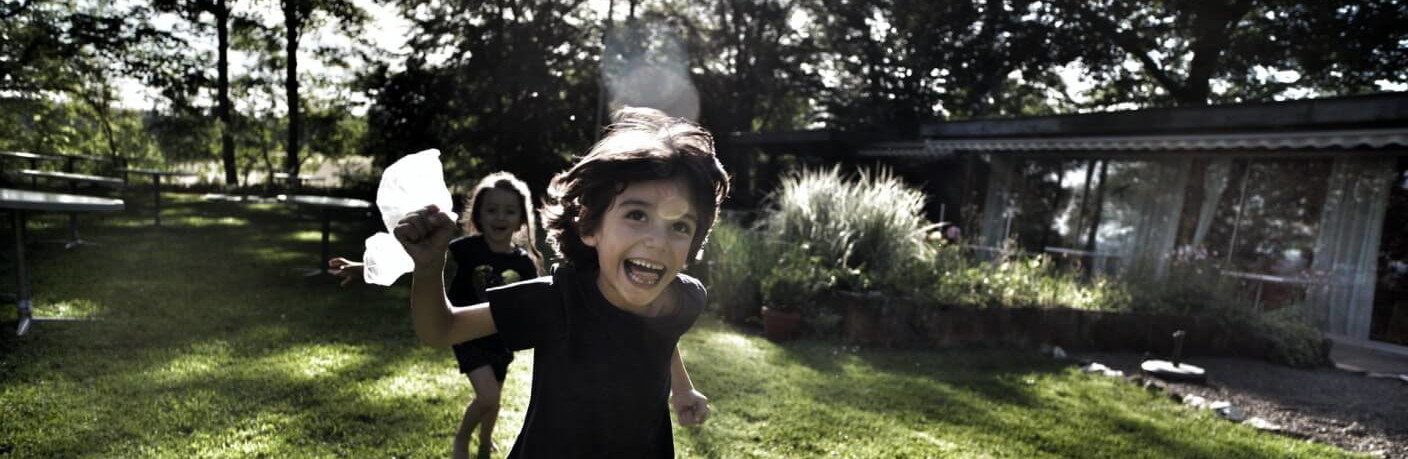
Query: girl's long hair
<point x="527" y="234"/>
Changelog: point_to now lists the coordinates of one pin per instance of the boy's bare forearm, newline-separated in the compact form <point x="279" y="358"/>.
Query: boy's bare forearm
<point x="437" y="323"/>
<point x="679" y="376"/>
<point x="430" y="309"/>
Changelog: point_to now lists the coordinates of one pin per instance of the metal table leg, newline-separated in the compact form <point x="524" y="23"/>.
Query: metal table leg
<point x="73" y="240"/>
<point x="327" y="229"/>
<point x="322" y="268"/>
<point x="24" y="297"/>
<point x="1259" y="285"/>
<point x="156" y="189"/>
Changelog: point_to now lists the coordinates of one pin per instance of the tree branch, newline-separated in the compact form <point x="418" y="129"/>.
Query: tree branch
<point x="1130" y="44"/>
<point x="24" y="5"/>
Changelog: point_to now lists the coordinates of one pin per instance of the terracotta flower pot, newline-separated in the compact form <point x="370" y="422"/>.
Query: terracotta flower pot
<point x="780" y="325"/>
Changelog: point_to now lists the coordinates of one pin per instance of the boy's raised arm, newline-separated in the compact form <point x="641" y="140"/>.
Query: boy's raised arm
<point x="426" y="235"/>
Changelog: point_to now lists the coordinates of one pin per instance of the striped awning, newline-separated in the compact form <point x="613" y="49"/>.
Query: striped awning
<point x="895" y="149"/>
<point x="1336" y="139"/>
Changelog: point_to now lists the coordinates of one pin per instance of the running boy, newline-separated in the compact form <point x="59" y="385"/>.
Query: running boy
<point x="627" y="217"/>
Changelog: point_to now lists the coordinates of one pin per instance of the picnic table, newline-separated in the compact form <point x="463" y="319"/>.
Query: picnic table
<point x="299" y="180"/>
<point x="981" y="248"/>
<point x="70" y="158"/>
<point x="1099" y="261"/>
<point x="156" y="183"/>
<point x="34" y="159"/>
<point x="19" y="201"/>
<point x="982" y="252"/>
<point x="325" y="205"/>
<point x="73" y="178"/>
<point x="1080" y="253"/>
<point x="73" y="181"/>
<point x="1263" y="279"/>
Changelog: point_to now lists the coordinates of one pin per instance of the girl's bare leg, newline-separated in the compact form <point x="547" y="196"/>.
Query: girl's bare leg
<point x="484" y="408"/>
<point x="486" y="425"/>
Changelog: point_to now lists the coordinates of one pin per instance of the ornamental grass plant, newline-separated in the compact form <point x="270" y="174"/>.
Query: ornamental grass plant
<point x="861" y="226"/>
<point x="735" y="260"/>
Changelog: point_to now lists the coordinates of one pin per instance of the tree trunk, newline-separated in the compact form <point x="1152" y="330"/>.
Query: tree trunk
<point x="1084" y="201"/>
<point x="1089" y="269"/>
<point x="601" y="90"/>
<point x="1213" y="28"/>
<point x="1099" y="206"/>
<point x="101" y="107"/>
<point x="293" y="25"/>
<point x="227" y="137"/>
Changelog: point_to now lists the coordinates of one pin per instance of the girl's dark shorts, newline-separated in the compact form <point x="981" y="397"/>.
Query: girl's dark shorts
<point x="482" y="352"/>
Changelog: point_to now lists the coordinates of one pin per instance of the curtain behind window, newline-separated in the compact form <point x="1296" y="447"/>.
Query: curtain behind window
<point x="1348" y="245"/>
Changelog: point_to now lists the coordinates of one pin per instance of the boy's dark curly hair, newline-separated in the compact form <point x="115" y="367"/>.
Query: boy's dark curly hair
<point x="641" y="144"/>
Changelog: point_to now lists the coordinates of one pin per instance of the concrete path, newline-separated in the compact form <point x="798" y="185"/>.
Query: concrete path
<point x="1369" y="357"/>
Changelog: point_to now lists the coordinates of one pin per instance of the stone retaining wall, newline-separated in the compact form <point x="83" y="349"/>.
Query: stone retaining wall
<point x="877" y="320"/>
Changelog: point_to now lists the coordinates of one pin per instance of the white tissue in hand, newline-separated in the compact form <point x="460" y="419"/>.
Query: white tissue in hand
<point x="385" y="260"/>
<point x="413" y="182"/>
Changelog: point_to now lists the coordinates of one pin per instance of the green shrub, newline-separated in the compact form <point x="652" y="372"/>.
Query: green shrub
<point x="1190" y="288"/>
<point x="1294" y="339"/>
<point x="796" y="280"/>
<point x="953" y="277"/>
<point x="1197" y="288"/>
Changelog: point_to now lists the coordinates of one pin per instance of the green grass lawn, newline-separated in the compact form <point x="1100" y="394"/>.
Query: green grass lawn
<point x="207" y="343"/>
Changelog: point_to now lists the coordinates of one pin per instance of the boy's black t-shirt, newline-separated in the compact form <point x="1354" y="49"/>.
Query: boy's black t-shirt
<point x="601" y="375"/>
<point x="479" y="268"/>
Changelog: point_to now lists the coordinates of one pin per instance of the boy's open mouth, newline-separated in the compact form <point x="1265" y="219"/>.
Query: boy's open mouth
<point x="644" y="272"/>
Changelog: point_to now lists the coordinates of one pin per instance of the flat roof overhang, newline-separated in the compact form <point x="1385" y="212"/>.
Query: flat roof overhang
<point x="1361" y="139"/>
<point x="1371" y="111"/>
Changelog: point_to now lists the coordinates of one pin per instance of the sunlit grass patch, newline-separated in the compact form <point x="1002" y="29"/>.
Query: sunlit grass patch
<point x="258" y="436"/>
<point x="312" y="236"/>
<point x="200" y="221"/>
<point x="78" y="308"/>
<point x="313" y="361"/>
<point x="414" y="381"/>
<point x="195" y="363"/>
<point x="281" y="254"/>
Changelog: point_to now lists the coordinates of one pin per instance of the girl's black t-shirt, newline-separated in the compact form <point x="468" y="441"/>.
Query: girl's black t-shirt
<point x="478" y="269"/>
<point x="601" y="375"/>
